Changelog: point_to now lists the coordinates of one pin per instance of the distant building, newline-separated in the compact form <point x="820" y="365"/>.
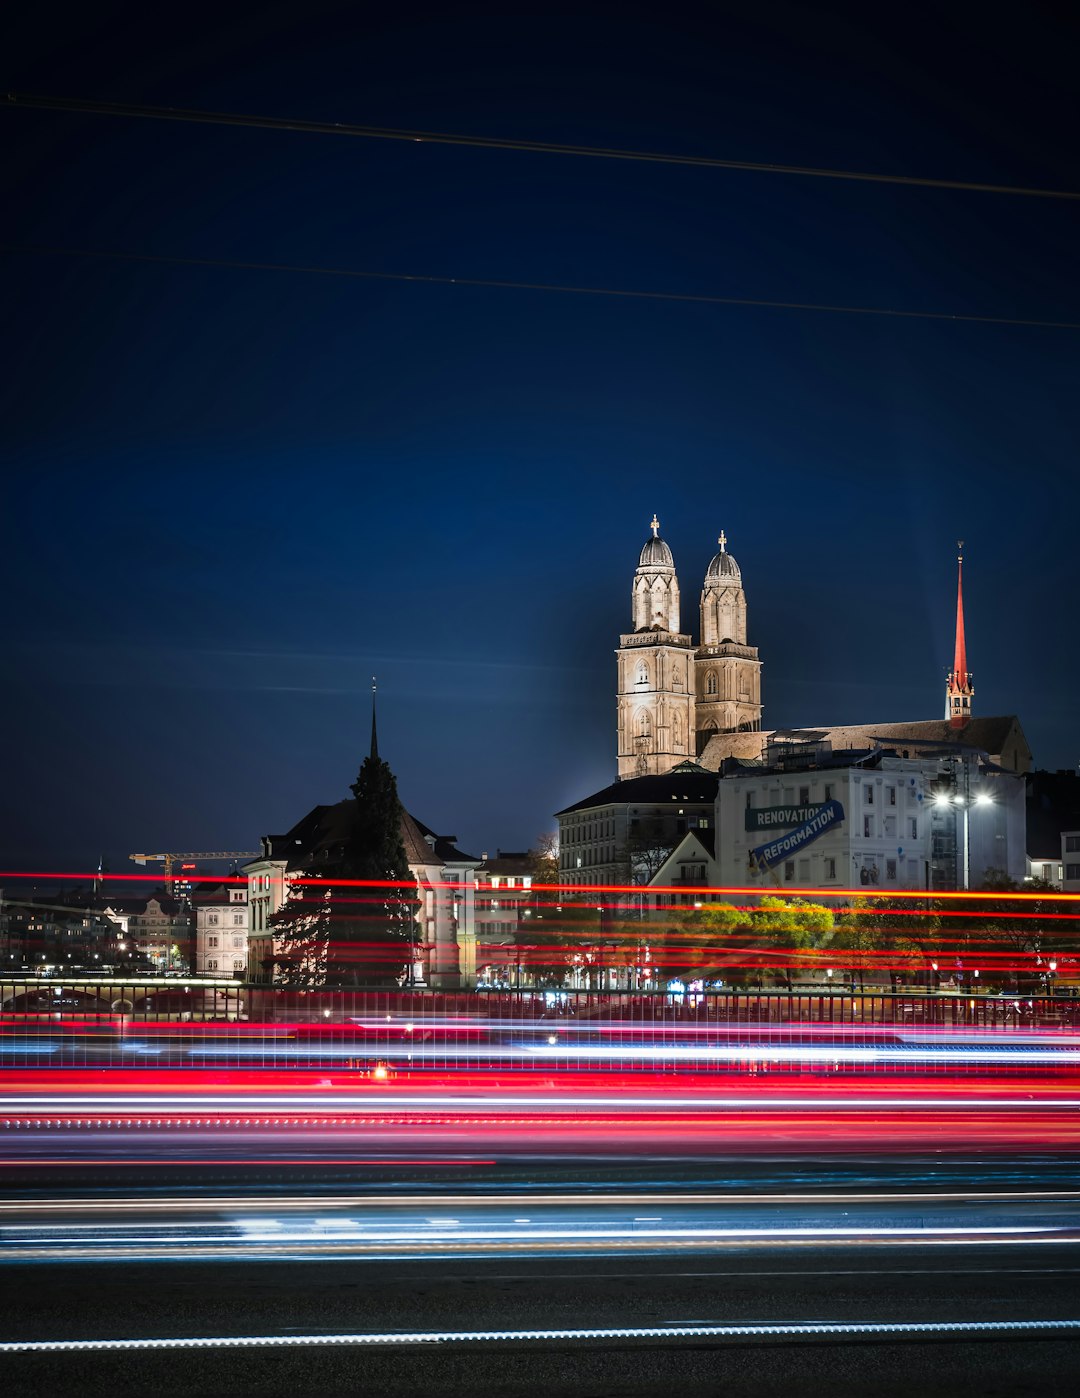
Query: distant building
<point x="162" y="928"/>
<point x="1070" y="859"/>
<point x="624" y="833"/>
<point x="504" y="913"/>
<point x="672" y="696"/>
<point x="65" y="930"/>
<point x="874" y="819"/>
<point x="221" y="930"/>
<point x="1053" y="810"/>
<point x="444" y="952"/>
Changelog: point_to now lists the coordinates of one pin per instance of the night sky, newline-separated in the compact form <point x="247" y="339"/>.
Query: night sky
<point x="234" y="495"/>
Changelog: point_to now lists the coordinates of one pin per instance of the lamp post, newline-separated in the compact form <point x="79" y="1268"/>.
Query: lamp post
<point x="1050" y="978"/>
<point x="935" y="980"/>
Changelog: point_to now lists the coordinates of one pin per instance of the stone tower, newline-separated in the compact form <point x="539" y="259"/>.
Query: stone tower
<point x="656" y="679"/>
<point x="959" y="686"/>
<point x="727" y="672"/>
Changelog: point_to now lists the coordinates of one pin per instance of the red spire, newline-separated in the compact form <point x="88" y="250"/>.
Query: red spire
<point x="959" y="688"/>
<point x="959" y="664"/>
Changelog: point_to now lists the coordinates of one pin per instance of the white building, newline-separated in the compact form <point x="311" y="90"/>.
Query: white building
<point x="221" y="930"/>
<point x="1070" y="861"/>
<point x="812" y="818"/>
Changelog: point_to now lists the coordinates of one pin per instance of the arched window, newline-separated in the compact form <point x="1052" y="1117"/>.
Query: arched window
<point x="644" y="724"/>
<point x="643" y="673"/>
<point x="710" y="682"/>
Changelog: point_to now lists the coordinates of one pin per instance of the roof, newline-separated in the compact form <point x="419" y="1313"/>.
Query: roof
<point x="656" y="554"/>
<point x="694" y="787"/>
<point x="723" y="566"/>
<point x="327" y="828"/>
<point x="992" y="735"/>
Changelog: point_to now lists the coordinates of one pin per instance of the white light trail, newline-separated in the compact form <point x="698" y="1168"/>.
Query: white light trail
<point x="789" y="1330"/>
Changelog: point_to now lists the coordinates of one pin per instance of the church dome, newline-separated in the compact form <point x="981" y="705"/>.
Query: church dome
<point x="724" y="566"/>
<point x="655" y="553"/>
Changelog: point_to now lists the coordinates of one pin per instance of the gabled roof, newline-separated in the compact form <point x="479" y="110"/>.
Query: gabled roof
<point x="693" y="787"/>
<point x="327" y="828"/>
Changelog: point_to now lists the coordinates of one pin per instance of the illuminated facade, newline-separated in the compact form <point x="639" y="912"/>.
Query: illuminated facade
<point x="672" y="698"/>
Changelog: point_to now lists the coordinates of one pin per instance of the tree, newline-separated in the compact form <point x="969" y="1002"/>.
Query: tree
<point x="348" y="922"/>
<point x="1032" y="931"/>
<point x="644" y="853"/>
<point x="881" y="937"/>
<point x="544" y="858"/>
<point x="791" y="924"/>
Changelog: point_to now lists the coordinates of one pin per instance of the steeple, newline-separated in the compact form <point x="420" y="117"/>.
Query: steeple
<point x="959" y="687"/>
<point x="374" y="735"/>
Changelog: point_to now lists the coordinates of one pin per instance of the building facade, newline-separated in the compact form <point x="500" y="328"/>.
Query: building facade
<point x="221" y="930"/>
<point x="893" y="823"/>
<point x="623" y="834"/>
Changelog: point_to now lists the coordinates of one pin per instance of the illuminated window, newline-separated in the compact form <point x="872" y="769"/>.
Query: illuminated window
<point x="710" y="682"/>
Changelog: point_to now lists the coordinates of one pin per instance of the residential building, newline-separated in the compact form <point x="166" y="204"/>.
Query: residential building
<point x="624" y="833"/>
<point x="221" y="930"/>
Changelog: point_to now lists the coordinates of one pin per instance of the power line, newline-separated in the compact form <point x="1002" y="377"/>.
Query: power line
<point x="690" y="298"/>
<point x="443" y="138"/>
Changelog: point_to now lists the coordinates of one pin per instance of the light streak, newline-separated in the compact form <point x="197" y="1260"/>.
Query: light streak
<point x="789" y="1330"/>
<point x="382" y="1106"/>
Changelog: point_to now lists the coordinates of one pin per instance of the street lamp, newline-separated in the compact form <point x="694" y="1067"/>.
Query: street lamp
<point x="1053" y="970"/>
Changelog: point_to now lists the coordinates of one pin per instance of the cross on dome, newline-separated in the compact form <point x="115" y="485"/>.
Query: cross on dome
<point x="722" y="541"/>
<point x="655" y="526"/>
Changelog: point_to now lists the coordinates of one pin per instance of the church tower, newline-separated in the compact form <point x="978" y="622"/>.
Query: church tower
<point x="959" y="687"/>
<point x="656" y="682"/>
<point x="727" y="672"/>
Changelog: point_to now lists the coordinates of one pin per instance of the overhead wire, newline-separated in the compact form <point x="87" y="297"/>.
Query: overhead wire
<point x="94" y="107"/>
<point x="559" y="288"/>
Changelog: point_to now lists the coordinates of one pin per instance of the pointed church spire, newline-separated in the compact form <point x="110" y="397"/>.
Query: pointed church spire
<point x="959" y="688"/>
<point x="374" y="735"/>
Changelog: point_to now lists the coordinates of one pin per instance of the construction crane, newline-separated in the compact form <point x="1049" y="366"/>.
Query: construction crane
<point x="168" y="860"/>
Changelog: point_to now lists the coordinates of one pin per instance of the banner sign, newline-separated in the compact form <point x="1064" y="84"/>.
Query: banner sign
<point x="779" y="817"/>
<point x="824" y="818"/>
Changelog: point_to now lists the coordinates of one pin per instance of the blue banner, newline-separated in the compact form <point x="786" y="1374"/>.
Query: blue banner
<point x="828" y="815"/>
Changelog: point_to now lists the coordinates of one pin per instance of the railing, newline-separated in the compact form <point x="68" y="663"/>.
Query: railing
<point x="197" y="1025"/>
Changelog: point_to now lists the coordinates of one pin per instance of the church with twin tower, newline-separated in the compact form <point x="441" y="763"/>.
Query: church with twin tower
<point x="674" y="696"/>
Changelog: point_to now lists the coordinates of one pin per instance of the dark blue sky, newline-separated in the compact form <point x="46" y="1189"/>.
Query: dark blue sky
<point x="234" y="495"/>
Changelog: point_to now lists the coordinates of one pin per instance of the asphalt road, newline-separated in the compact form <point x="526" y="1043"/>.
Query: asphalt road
<point x="950" y="1264"/>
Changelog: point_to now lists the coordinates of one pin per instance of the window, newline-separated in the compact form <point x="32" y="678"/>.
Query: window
<point x="238" y="919"/>
<point x="238" y="965"/>
<point x="890" y="870"/>
<point x="891" y="790"/>
<point x="710" y="682"/>
<point x="868" y="795"/>
<point x="211" y="965"/>
<point x="212" y="919"/>
<point x="1072" y="871"/>
<point x="211" y="941"/>
<point x="238" y="943"/>
<point x="804" y="873"/>
<point x="789" y="871"/>
<point x="914" y="828"/>
<point x="804" y="796"/>
<point x="830" y="868"/>
<point x="828" y="791"/>
<point x="867" y="826"/>
<point x="1072" y="844"/>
